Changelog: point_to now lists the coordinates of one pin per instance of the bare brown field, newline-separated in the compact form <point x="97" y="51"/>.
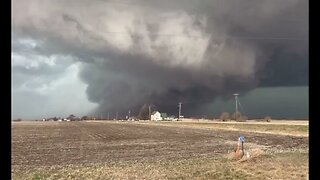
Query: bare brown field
<point x="135" y="150"/>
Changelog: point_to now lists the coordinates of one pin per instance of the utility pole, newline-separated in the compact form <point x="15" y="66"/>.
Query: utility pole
<point x="236" y="98"/>
<point x="179" y="110"/>
<point x="129" y="115"/>
<point x="149" y="112"/>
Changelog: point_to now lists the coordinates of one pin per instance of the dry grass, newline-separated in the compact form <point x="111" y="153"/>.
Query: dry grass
<point x="268" y="128"/>
<point x="277" y="166"/>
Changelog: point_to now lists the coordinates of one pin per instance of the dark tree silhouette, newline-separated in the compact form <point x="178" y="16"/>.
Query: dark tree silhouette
<point x="267" y="118"/>
<point x="144" y="111"/>
<point x="225" y="116"/>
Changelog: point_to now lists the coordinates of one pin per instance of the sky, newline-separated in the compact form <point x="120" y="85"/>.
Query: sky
<point x="276" y="102"/>
<point x="106" y="56"/>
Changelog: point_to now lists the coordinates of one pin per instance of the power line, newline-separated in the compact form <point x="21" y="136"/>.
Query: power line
<point x="203" y="37"/>
<point x="149" y="6"/>
<point x="241" y="107"/>
<point x="236" y="98"/>
<point x="179" y="110"/>
<point x="268" y="38"/>
<point x="150" y="106"/>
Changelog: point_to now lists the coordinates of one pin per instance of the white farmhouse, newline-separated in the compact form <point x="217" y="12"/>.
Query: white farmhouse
<point x="156" y="116"/>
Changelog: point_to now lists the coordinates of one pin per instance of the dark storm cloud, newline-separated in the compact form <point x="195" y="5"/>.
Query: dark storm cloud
<point x="163" y="52"/>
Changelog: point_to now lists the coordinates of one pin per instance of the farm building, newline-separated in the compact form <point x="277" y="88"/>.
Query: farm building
<point x="164" y="116"/>
<point x="156" y="116"/>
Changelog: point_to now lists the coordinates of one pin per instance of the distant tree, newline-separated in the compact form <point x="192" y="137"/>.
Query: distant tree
<point x="71" y="117"/>
<point x="238" y="116"/>
<point x="16" y="120"/>
<point x="84" y="118"/>
<point x="144" y="112"/>
<point x="267" y="118"/>
<point x="243" y="118"/>
<point x="225" y="116"/>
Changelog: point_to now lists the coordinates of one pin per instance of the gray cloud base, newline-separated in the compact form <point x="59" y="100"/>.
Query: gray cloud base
<point x="166" y="52"/>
